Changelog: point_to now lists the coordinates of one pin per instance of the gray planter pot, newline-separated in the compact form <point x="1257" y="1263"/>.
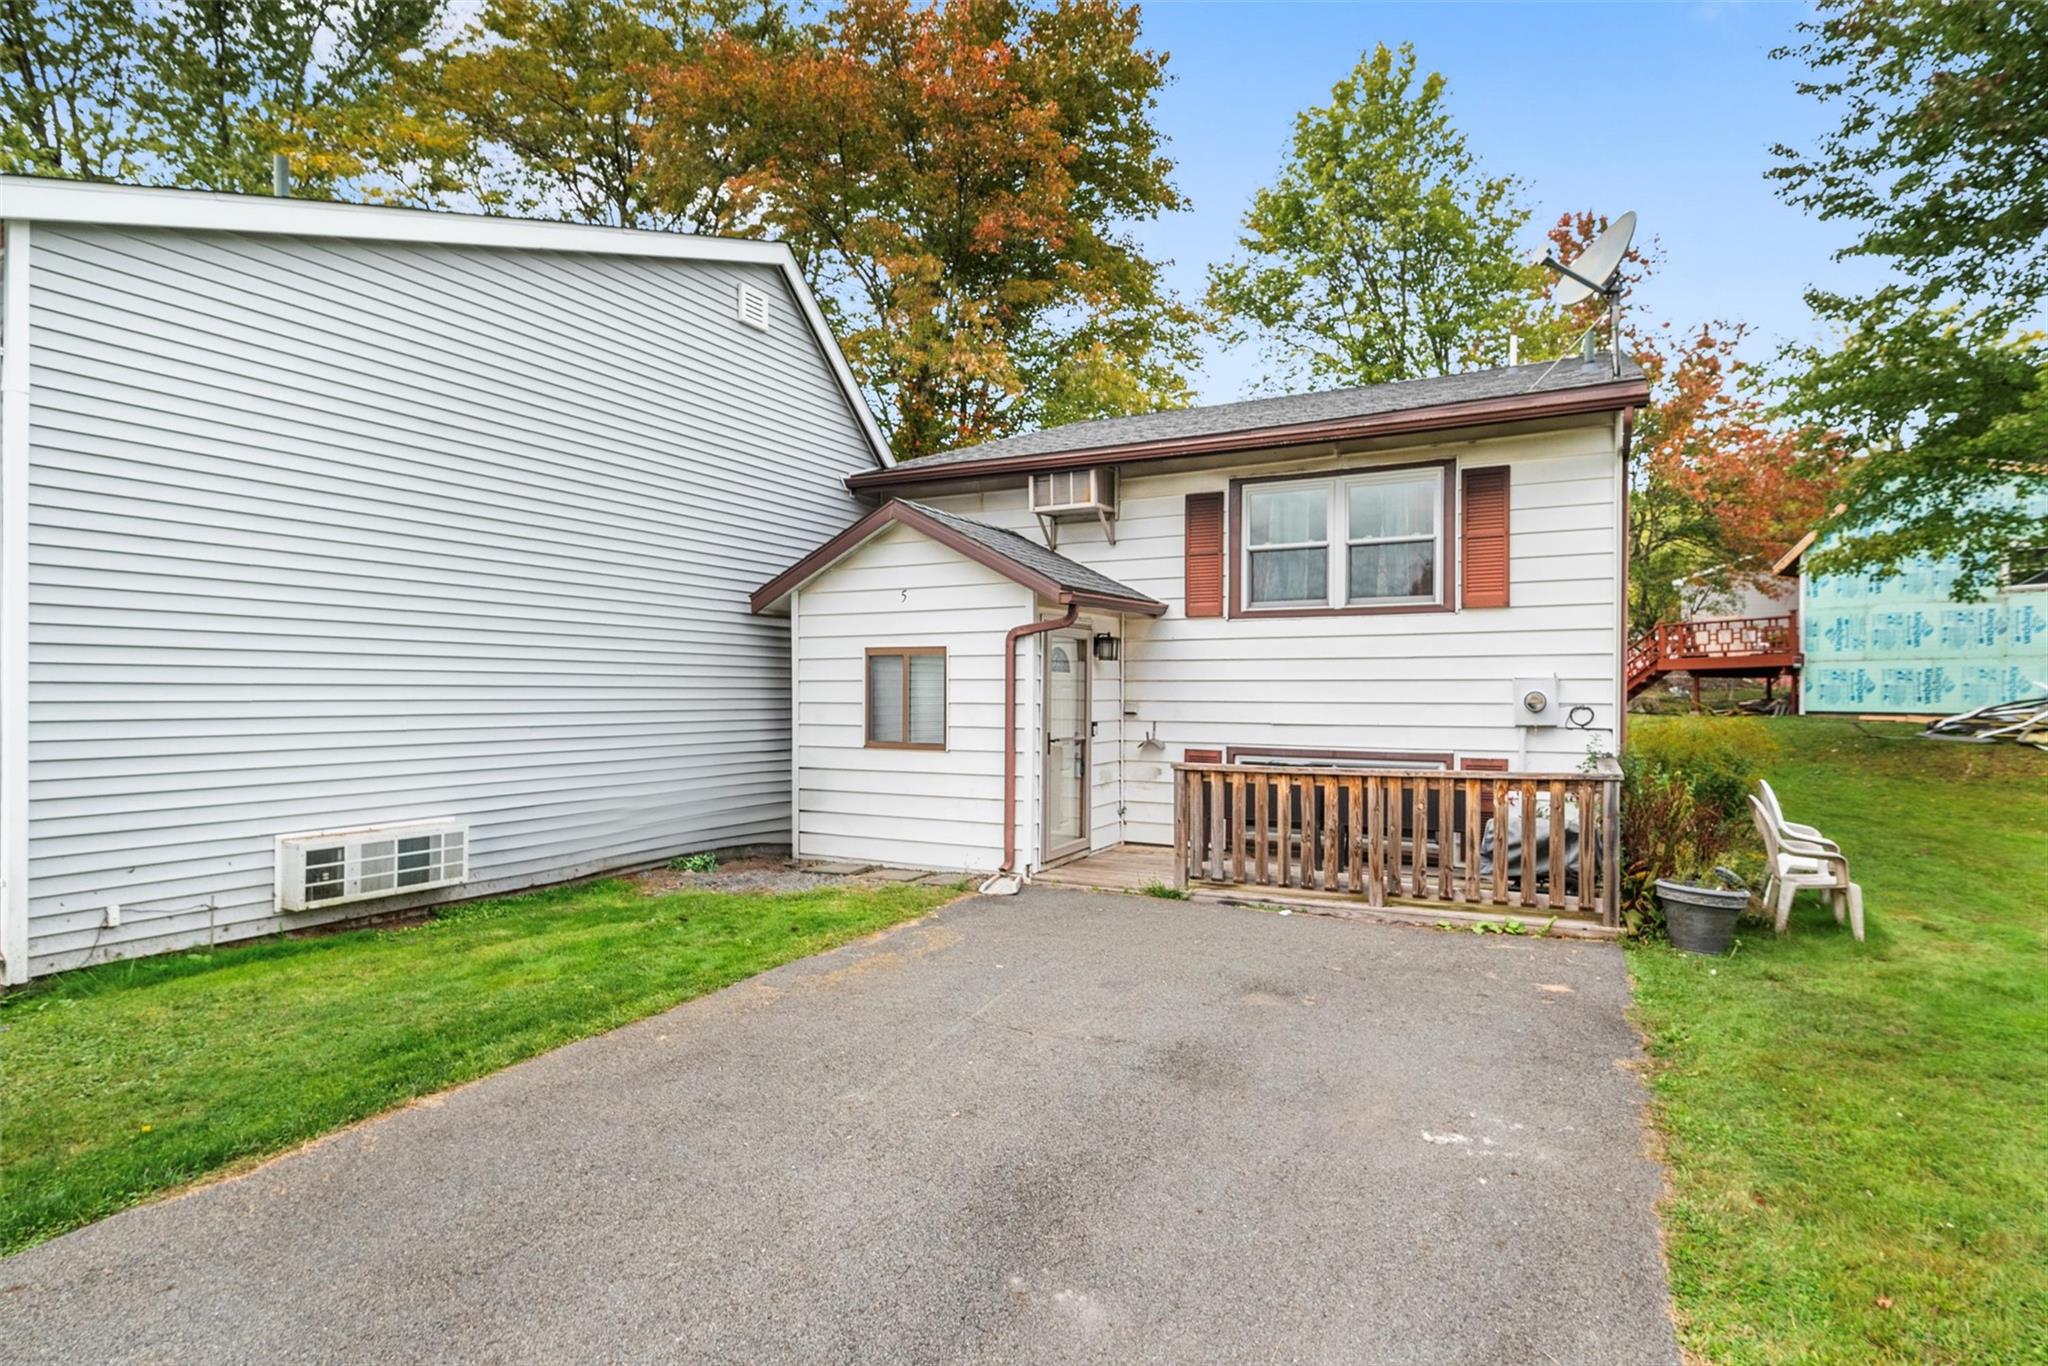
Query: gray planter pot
<point x="1701" y="919"/>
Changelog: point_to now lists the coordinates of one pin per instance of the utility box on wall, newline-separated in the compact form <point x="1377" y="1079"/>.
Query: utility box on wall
<point x="1536" y="701"/>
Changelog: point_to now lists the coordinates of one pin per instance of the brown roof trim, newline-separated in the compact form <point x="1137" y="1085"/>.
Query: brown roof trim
<point x="1631" y="393"/>
<point x="779" y="587"/>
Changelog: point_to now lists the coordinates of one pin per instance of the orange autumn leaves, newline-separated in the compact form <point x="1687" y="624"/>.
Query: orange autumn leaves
<point x="951" y="178"/>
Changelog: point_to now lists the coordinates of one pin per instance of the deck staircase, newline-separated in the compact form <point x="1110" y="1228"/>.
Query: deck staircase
<point x="1751" y="647"/>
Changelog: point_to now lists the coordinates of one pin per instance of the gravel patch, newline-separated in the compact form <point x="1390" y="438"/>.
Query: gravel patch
<point x="770" y="875"/>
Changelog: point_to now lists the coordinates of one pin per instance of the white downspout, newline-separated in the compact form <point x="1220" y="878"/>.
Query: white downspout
<point x="14" y="486"/>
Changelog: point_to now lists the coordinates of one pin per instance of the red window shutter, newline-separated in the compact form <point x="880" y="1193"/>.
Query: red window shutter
<point x="1204" y="586"/>
<point x="1486" y="537"/>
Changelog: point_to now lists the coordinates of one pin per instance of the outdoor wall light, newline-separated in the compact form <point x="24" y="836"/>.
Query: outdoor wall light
<point x="1105" y="648"/>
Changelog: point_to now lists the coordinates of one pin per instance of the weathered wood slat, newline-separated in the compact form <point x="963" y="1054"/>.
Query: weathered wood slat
<point x="1215" y="826"/>
<point x="1354" y="813"/>
<point x="1588" y="798"/>
<point x="1376" y="841"/>
<point x="1180" y="830"/>
<point x="1400" y="834"/>
<point x="1446" y="838"/>
<point x="1498" y="789"/>
<point x="1528" y="896"/>
<point x="1610" y="856"/>
<point x="1475" y="826"/>
<point x="1330" y="834"/>
<point x="1553" y="893"/>
<point x="1237" y="826"/>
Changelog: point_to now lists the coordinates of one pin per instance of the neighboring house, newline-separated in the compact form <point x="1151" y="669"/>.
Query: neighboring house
<point x="1361" y="579"/>
<point x="1706" y="597"/>
<point x="1904" y="646"/>
<point x="432" y="530"/>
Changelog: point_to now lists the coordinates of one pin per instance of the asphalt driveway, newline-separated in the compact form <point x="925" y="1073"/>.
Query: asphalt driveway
<point x="1059" y="1127"/>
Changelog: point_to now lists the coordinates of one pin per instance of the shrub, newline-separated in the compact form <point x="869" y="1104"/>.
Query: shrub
<point x="695" y="863"/>
<point x="1717" y="758"/>
<point x="1684" y="805"/>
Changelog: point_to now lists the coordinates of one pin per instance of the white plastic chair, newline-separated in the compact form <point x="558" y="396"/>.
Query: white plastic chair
<point x="1775" y="809"/>
<point x="1797" y="864"/>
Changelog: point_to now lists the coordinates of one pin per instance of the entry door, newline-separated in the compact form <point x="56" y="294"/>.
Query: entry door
<point x="1066" y="745"/>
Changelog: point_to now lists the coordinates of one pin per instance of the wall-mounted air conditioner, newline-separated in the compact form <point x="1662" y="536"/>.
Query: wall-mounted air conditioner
<point x="1062" y="495"/>
<point x="334" y="867"/>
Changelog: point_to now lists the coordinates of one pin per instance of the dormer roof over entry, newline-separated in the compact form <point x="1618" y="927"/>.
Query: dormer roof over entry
<point x="1052" y="576"/>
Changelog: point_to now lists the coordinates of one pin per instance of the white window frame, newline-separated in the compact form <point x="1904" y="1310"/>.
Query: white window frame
<point x="1337" y="556"/>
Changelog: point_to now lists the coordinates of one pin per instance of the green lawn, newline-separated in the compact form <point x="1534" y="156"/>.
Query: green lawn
<point x="124" y="1081"/>
<point x="1855" y="1133"/>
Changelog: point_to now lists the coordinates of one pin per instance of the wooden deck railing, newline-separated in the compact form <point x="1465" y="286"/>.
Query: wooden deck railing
<point x="1405" y="837"/>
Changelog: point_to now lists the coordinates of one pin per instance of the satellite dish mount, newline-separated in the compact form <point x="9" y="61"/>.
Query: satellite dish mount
<point x="1596" y="274"/>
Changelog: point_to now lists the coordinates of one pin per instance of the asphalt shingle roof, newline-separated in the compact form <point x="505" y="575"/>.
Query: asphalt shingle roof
<point x="1022" y="550"/>
<point x="1331" y="405"/>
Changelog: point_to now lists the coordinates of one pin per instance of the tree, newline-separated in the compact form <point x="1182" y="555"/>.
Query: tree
<point x="1718" y="488"/>
<point x="230" y="83"/>
<point x="539" y="107"/>
<point x="956" y="181"/>
<point x="201" y="92"/>
<point x="1941" y="157"/>
<point x="65" y="66"/>
<point x="1382" y="252"/>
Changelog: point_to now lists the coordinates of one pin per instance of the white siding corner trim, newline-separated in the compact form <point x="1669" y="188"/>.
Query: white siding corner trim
<point x="14" y="487"/>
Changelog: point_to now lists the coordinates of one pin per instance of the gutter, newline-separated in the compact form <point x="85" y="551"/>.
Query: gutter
<point x="1007" y="880"/>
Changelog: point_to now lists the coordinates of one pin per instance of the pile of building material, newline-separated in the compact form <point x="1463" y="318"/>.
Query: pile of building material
<point x="2023" y="722"/>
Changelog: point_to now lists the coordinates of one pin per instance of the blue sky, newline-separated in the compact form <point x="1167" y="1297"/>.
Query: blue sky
<point x="1669" y="110"/>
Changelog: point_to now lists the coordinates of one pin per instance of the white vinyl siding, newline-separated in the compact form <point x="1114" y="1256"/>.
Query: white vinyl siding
<point x="927" y="808"/>
<point x="1417" y="682"/>
<point x="922" y="808"/>
<point x="328" y="533"/>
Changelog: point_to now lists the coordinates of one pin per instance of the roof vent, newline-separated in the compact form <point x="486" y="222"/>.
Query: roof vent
<point x="753" y="308"/>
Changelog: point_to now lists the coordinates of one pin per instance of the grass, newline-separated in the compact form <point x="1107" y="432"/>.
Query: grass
<point x="1855" y="1133"/>
<point x="132" y="1079"/>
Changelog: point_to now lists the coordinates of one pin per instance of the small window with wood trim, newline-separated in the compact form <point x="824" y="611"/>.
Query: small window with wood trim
<point x="906" y="697"/>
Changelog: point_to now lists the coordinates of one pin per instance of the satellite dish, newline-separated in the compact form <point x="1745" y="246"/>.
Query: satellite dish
<point x="1596" y="274"/>
<point x="1594" y="269"/>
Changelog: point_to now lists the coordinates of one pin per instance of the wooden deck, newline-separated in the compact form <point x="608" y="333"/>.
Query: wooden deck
<point x="1120" y="868"/>
<point x="1131" y="868"/>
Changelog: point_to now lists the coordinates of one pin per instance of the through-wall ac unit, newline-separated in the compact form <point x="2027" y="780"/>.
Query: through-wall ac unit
<point x="334" y="867"/>
<point x="1060" y="495"/>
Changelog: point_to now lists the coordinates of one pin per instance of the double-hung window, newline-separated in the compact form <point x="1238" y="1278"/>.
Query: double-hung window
<point x="1355" y="541"/>
<point x="906" y="697"/>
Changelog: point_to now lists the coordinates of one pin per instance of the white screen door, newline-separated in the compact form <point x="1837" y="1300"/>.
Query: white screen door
<point x="1066" y="745"/>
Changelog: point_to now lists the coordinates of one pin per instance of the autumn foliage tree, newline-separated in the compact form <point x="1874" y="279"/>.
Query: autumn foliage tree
<point x="1717" y="488"/>
<point x="956" y="181"/>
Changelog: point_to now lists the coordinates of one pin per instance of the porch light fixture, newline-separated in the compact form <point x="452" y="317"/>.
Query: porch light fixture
<point x="1105" y="648"/>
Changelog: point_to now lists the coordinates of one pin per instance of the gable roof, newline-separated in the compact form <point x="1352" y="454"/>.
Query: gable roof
<point x="38" y="199"/>
<point x="1018" y="558"/>
<point x="1502" y="394"/>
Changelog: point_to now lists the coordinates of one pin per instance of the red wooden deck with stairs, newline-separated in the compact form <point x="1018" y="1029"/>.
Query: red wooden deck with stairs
<point x="1751" y="647"/>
